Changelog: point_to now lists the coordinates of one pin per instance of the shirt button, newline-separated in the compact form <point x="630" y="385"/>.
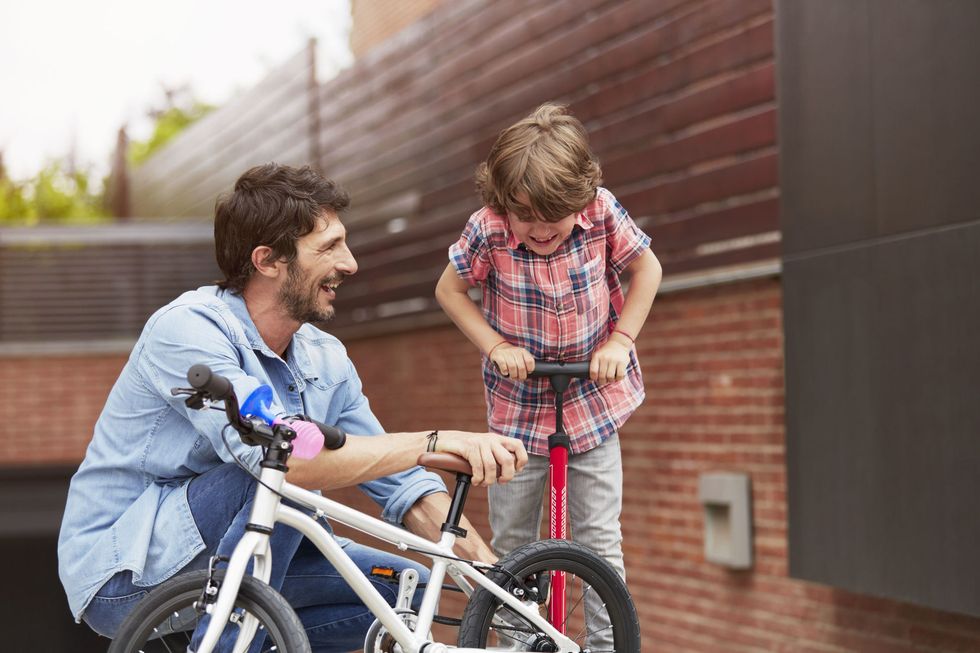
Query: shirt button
<point x="292" y="388"/>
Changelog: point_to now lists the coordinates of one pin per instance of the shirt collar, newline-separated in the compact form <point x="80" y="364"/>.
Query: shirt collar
<point x="513" y="242"/>
<point x="236" y="302"/>
<point x="296" y="355"/>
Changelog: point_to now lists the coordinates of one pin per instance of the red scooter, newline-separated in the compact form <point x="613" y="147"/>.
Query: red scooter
<point x="559" y="446"/>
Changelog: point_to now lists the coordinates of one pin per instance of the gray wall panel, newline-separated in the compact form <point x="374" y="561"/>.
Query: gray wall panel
<point x="824" y="93"/>
<point x="926" y="98"/>
<point x="882" y="371"/>
<point x="880" y="153"/>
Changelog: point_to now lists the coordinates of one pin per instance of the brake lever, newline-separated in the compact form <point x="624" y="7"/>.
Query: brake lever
<point x="195" y="399"/>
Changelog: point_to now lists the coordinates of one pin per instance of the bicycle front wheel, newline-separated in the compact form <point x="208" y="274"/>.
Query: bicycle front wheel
<point x="166" y="619"/>
<point x="599" y="614"/>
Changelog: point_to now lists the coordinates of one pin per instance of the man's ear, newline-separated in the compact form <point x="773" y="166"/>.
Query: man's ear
<point x="264" y="262"/>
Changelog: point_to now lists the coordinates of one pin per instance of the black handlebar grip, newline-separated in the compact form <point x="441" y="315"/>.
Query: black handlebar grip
<point x="576" y="370"/>
<point x="333" y="437"/>
<point x="203" y="379"/>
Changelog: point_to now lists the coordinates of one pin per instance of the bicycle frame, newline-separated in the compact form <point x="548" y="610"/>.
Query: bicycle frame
<point x="268" y="510"/>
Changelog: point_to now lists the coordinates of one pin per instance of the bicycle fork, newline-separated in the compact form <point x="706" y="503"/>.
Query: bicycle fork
<point x="254" y="547"/>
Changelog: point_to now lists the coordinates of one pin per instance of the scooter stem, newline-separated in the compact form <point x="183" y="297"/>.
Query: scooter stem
<point x="558" y="449"/>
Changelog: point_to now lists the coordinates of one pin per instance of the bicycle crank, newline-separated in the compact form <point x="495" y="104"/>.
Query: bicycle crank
<point x="379" y="640"/>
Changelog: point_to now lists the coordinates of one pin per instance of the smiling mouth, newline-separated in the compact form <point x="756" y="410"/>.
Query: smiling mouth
<point x="330" y="288"/>
<point x="543" y="241"/>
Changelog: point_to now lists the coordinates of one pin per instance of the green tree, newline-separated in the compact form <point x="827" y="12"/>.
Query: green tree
<point x="169" y="122"/>
<point x="13" y="204"/>
<point x="53" y="195"/>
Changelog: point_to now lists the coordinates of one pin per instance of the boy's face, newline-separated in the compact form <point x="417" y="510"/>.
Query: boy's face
<point x="540" y="236"/>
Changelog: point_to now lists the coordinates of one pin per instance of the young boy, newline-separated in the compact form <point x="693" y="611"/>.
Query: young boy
<point x="548" y="249"/>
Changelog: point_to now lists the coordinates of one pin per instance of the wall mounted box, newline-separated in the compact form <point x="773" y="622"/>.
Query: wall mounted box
<point x="726" y="499"/>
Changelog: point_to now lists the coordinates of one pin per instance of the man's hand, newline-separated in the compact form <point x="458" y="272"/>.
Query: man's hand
<point x="493" y="457"/>
<point x="513" y="362"/>
<point x="610" y="361"/>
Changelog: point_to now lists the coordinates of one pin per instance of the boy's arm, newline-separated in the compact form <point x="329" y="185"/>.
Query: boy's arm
<point x="609" y="362"/>
<point x="451" y="293"/>
<point x="512" y="361"/>
<point x="645" y="274"/>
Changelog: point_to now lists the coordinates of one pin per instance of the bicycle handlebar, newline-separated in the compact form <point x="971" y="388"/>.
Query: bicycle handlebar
<point x="214" y="385"/>
<point x="576" y="370"/>
<point x="333" y="437"/>
<point x="219" y="388"/>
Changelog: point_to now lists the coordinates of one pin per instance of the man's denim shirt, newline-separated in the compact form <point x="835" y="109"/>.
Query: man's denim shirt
<point x="127" y="505"/>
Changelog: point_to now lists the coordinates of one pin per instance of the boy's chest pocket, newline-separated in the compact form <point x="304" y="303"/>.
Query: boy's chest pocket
<point x="589" y="286"/>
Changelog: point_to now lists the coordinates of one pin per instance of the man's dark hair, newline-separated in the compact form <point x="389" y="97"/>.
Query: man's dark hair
<point x="272" y="205"/>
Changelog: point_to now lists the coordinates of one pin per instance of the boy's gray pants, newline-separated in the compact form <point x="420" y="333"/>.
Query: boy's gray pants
<point x="595" y="501"/>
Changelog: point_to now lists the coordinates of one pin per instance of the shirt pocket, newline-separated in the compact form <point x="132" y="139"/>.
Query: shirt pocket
<point x="589" y="287"/>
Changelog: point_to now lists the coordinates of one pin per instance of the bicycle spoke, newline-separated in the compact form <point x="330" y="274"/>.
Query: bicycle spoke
<point x="572" y="609"/>
<point x="513" y="628"/>
<point x="593" y="632"/>
<point x="164" y="640"/>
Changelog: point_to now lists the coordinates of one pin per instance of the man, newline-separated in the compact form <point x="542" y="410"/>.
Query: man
<point x="160" y="491"/>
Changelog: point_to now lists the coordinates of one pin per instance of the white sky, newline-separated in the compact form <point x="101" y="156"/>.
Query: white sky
<point x="79" y="70"/>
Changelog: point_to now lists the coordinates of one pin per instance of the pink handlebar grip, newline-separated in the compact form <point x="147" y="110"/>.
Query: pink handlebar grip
<point x="309" y="439"/>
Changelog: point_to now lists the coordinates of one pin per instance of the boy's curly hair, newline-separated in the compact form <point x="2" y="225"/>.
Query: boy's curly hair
<point x="545" y="156"/>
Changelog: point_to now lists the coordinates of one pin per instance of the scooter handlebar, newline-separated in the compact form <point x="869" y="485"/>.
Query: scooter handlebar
<point x="575" y="370"/>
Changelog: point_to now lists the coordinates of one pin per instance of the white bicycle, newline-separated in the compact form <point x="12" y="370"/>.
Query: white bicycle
<point x="225" y="608"/>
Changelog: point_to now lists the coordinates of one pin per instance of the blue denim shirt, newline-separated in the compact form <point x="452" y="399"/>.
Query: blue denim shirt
<point x="127" y="505"/>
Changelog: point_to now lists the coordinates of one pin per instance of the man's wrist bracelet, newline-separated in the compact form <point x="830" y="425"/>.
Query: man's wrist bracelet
<point x="433" y="438"/>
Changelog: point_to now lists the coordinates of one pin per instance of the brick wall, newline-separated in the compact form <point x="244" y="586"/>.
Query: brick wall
<point x="376" y="20"/>
<point x="57" y="401"/>
<point x="713" y="366"/>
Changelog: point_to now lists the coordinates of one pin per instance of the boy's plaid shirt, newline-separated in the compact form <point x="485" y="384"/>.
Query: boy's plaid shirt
<point x="561" y="307"/>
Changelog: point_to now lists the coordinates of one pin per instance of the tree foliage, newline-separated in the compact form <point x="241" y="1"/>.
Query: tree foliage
<point x="53" y="195"/>
<point x="68" y="196"/>
<point x="169" y="122"/>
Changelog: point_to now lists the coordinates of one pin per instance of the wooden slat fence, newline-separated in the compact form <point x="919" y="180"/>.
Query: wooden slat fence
<point x="99" y="282"/>
<point x="274" y="121"/>
<point x="678" y="96"/>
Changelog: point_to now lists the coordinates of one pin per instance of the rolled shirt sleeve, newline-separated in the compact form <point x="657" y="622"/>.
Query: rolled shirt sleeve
<point x="470" y="255"/>
<point x="625" y="240"/>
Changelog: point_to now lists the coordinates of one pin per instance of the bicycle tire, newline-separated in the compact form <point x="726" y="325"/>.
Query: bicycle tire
<point x="534" y="560"/>
<point x="165" y="619"/>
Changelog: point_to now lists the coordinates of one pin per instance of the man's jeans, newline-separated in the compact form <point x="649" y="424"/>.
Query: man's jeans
<point x="221" y="502"/>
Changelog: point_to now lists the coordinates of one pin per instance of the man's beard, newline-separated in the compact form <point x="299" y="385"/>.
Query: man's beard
<point x="299" y="298"/>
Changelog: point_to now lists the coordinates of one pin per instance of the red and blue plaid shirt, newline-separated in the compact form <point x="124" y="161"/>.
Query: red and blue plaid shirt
<point x="560" y="307"/>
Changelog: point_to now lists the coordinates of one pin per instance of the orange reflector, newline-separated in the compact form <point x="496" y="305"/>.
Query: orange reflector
<point x="384" y="572"/>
